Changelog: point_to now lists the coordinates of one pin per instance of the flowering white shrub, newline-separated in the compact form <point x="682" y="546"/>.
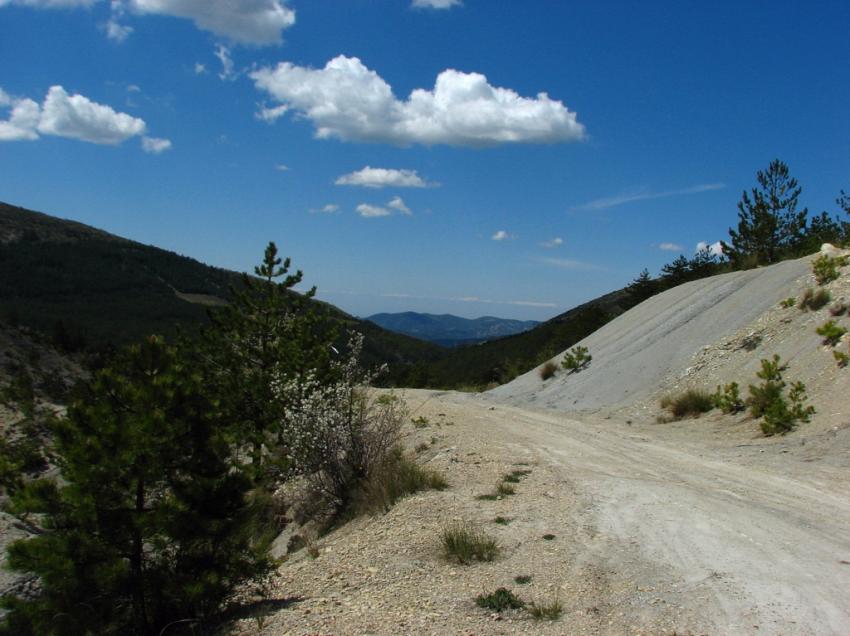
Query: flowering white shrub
<point x="339" y="432"/>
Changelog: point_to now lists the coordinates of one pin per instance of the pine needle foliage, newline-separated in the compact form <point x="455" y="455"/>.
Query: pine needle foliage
<point x="150" y="524"/>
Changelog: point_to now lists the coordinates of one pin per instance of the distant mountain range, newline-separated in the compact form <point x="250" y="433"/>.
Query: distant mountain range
<point x="448" y="330"/>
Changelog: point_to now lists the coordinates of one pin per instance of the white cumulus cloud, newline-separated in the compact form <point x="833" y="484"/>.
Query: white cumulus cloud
<point x="555" y="242"/>
<point x="348" y="101"/>
<point x="255" y="22"/>
<point x="74" y="117"/>
<point x="330" y="208"/>
<point x="78" y="117"/>
<point x="243" y="21"/>
<point x="715" y="248"/>
<point x="435" y="4"/>
<point x="370" y="177"/>
<point x="155" y="145"/>
<point x="501" y="235"/>
<point x="372" y="211"/>
<point x="23" y="120"/>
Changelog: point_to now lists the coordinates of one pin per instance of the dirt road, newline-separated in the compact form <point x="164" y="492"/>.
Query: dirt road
<point x="658" y="529"/>
<point x="773" y="549"/>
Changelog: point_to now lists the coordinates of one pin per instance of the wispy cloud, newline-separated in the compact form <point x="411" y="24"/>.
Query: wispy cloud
<point x="670" y="247"/>
<point x="645" y="194"/>
<point x="330" y="208"/>
<point x="501" y="235"/>
<point x="570" y="263"/>
<point x="715" y="248"/>
<point x="555" y="242"/>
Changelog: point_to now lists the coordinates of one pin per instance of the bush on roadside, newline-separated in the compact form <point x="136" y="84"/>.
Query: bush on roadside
<point x="728" y="398"/>
<point x="768" y="400"/>
<point x="576" y="359"/>
<point x="548" y="370"/>
<point x="825" y="268"/>
<point x="690" y="403"/>
<point x="831" y="332"/>
<point x="394" y="478"/>
<point x="814" y="300"/>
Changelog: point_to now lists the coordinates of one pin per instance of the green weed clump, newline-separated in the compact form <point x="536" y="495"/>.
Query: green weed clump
<point x="576" y="359"/>
<point x="503" y="489"/>
<point x="549" y="611"/>
<point x="831" y="332"/>
<point x="788" y="302"/>
<point x="420" y="422"/>
<point x="500" y="600"/>
<point x="825" y="268"/>
<point x="548" y="370"/>
<point x="841" y="358"/>
<point x="502" y="521"/>
<point x="522" y="579"/>
<point x="728" y="398"/>
<point x="463" y="543"/>
<point x="690" y="403"/>
<point x="768" y="400"/>
<point x="814" y="300"/>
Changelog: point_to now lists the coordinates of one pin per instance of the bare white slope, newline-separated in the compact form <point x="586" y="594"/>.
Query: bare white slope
<point x="633" y="354"/>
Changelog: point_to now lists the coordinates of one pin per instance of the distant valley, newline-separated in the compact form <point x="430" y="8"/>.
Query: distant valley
<point x="448" y="330"/>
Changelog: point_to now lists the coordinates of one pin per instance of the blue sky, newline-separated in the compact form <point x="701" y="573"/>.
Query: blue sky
<point x="476" y="157"/>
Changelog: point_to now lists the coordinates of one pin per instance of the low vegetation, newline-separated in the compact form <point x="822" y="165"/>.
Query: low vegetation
<point x="728" y="398"/>
<point x="576" y="359"/>
<point x="814" y="300"/>
<point x="548" y="370"/>
<point x="825" y="268"/>
<point x="549" y="610"/>
<point x="465" y="544"/>
<point x="689" y="403"/>
<point x="780" y="412"/>
<point x="788" y="302"/>
<point x="500" y="600"/>
<point x="831" y="332"/>
<point x="394" y="478"/>
<point x="522" y="579"/>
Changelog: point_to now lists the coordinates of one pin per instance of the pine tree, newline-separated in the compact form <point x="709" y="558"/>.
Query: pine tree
<point x="265" y="337"/>
<point x="149" y="525"/>
<point x="676" y="273"/>
<point x="769" y="225"/>
<point x="641" y="288"/>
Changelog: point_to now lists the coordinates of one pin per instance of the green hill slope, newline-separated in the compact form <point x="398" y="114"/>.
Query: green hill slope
<point x="86" y="288"/>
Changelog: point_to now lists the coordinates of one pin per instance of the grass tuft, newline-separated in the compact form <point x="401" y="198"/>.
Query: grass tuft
<point x="502" y="521"/>
<point x="397" y="477"/>
<point x="546" y="611"/>
<point x="464" y="543"/>
<point x="522" y="579"/>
